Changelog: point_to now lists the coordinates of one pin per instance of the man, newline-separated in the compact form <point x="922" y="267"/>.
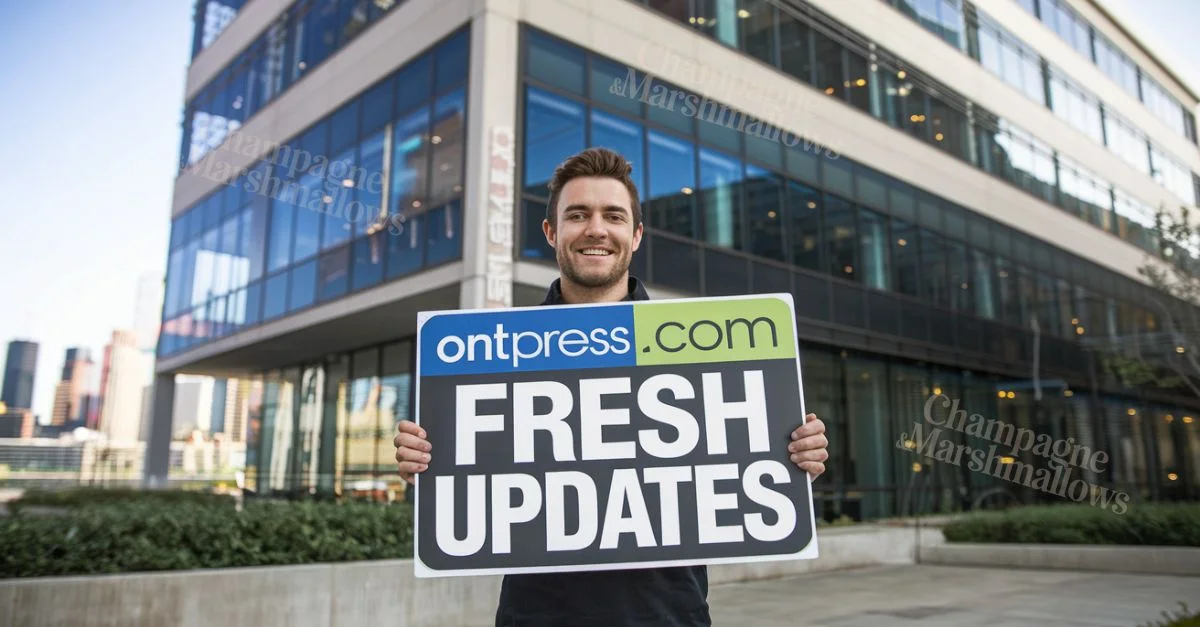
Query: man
<point x="594" y="223"/>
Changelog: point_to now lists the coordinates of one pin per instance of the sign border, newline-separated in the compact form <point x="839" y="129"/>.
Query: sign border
<point x="422" y="571"/>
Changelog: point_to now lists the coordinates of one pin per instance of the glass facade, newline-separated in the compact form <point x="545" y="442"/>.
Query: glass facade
<point x="300" y="39"/>
<point x="1076" y="31"/>
<point x="865" y="256"/>
<point x="321" y="216"/>
<point x="210" y="19"/>
<point x="889" y="89"/>
<point x="326" y="427"/>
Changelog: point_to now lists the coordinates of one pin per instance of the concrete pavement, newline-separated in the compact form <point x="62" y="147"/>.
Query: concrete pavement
<point x="945" y="595"/>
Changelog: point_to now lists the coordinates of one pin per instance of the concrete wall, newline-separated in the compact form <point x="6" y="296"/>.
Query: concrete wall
<point x="354" y="593"/>
<point x="1151" y="560"/>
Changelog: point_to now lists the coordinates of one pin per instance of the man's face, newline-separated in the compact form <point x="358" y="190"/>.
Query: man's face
<point x="595" y="238"/>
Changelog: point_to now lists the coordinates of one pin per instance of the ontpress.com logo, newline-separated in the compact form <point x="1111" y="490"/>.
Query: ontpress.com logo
<point x="515" y="346"/>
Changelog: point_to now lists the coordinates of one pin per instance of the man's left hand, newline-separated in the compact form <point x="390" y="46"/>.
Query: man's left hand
<point x="808" y="446"/>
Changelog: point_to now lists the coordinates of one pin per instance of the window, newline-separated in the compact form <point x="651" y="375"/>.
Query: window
<point x="444" y="231"/>
<point x="1126" y="141"/>
<point x="720" y="198"/>
<point x="858" y="82"/>
<point x="449" y="118"/>
<point x="333" y="274"/>
<point x="304" y="286"/>
<point x="949" y="126"/>
<point x="553" y="131"/>
<point x="794" y="56"/>
<point x="763" y="212"/>
<point x="280" y="247"/>
<point x="804" y="227"/>
<point x="839" y="238"/>
<point x="453" y="60"/>
<point x="672" y="182"/>
<point x="410" y="157"/>
<point x="1075" y="106"/>
<point x="829" y="76"/>
<point x="367" y="261"/>
<point x="873" y="242"/>
<point x="983" y="280"/>
<point x="1171" y="174"/>
<point x="758" y="29"/>
<point x="935" y="263"/>
<point x="617" y="86"/>
<point x="906" y="258"/>
<point x="624" y="137"/>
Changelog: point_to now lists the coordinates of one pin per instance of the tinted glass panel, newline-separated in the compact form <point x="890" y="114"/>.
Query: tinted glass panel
<point x="553" y="131"/>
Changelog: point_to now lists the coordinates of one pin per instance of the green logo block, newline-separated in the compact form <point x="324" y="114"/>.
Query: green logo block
<point x="737" y="329"/>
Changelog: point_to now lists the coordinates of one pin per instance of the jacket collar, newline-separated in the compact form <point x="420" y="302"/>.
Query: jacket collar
<point x="637" y="291"/>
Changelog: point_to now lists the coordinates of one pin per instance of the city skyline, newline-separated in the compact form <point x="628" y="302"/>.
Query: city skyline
<point x="126" y="134"/>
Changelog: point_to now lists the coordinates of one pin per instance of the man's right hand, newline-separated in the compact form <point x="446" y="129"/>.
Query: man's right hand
<point x="412" y="450"/>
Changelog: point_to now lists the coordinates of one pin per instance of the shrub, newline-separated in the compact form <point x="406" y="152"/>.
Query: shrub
<point x="1182" y="618"/>
<point x="138" y="536"/>
<point x="87" y="496"/>
<point x="1158" y="524"/>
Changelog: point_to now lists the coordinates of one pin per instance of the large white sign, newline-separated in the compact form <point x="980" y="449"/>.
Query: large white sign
<point x="501" y="175"/>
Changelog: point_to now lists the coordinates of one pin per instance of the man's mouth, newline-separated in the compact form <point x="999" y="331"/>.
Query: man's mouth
<point x="595" y="252"/>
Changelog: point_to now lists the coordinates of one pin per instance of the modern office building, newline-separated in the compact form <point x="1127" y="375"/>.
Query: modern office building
<point x="71" y="392"/>
<point x="20" y="370"/>
<point x="958" y="195"/>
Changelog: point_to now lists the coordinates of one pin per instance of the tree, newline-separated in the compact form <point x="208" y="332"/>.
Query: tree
<point x="1169" y="357"/>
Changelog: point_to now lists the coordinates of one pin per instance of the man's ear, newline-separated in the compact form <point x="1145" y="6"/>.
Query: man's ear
<point x="638" y="231"/>
<point x="548" y="231"/>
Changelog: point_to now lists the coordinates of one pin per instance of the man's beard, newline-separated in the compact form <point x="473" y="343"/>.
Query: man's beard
<point x="602" y="281"/>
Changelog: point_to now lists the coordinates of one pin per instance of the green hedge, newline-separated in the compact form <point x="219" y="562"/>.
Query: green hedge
<point x="88" y="496"/>
<point x="1150" y="524"/>
<point x="136" y="537"/>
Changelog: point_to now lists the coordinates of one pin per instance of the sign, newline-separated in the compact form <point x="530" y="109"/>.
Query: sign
<point x="622" y="435"/>
<point x="501" y="182"/>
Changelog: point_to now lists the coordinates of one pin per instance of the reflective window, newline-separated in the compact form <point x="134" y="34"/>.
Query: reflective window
<point x="935" y="269"/>
<point x="377" y="105"/>
<point x="1069" y="26"/>
<point x="309" y="209"/>
<point x="982" y="285"/>
<point x="961" y="280"/>
<point x="453" y="60"/>
<point x="446" y="180"/>
<point x="873" y="242"/>
<point x="618" y="86"/>
<point x="1134" y="221"/>
<point x="840" y="238"/>
<point x="1126" y="141"/>
<point x="553" y="131"/>
<point x="672" y="182"/>
<point x="362" y="416"/>
<point x="554" y="62"/>
<point x="757" y="24"/>
<point x="1077" y="107"/>
<point x="275" y="303"/>
<point x="406" y="244"/>
<point x="1004" y="55"/>
<point x="949" y="126"/>
<point x="444" y="232"/>
<point x="720" y="198"/>
<point x="804" y="225"/>
<point x="1116" y="64"/>
<point x="304" y="286"/>
<point x="764" y="213"/>
<point x="794" y="41"/>
<point x="829" y="76"/>
<point x="333" y="274"/>
<point x="280" y="247"/>
<point x="858" y="82"/>
<point x="367" y="262"/>
<point x="906" y="258"/>
<point x="1171" y="174"/>
<point x="410" y="145"/>
<point x="368" y="182"/>
<point x="413" y="84"/>
<point x="337" y="227"/>
<point x="1084" y="194"/>
<point x="624" y="137"/>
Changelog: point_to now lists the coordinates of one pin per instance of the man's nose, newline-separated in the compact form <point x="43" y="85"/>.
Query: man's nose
<point x="595" y="227"/>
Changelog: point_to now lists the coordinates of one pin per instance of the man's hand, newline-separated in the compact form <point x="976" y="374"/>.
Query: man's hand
<point x="808" y="446"/>
<point x="412" y="450"/>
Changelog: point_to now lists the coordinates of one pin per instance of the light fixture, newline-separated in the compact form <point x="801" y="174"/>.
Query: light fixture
<point x="848" y="269"/>
<point x="901" y="74"/>
<point x="939" y="136"/>
<point x="692" y="20"/>
<point x="327" y="199"/>
<point x="829" y="91"/>
<point x="861" y="82"/>
<point x="1068" y="393"/>
<point x="436" y="139"/>
<point x="771" y="214"/>
<point x="1131" y="411"/>
<point x="1169" y="418"/>
<point x="1003" y="274"/>
<point x="874" y="67"/>
<point x="812" y="204"/>
<point x="416" y="204"/>
<point x="444" y="167"/>
<point x="700" y="21"/>
<point x="937" y="391"/>
<point x="1172" y="476"/>
<point x="916" y="467"/>
<point x="1007" y="459"/>
<point x="845" y="83"/>
<point x="902" y="242"/>
<point x="1012" y="394"/>
<point x="1187" y="420"/>
<point x="909" y="444"/>
<point x="1001" y="394"/>
<point x="686" y="191"/>
<point x="347" y="182"/>
<point x="963" y="285"/>
<point x="1179" y="349"/>
<point x="1074" y="320"/>
<point x="743" y="13"/>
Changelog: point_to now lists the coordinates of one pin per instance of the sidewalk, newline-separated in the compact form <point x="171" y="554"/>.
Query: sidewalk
<point x="942" y="595"/>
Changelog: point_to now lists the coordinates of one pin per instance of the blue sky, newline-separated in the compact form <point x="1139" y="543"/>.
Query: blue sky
<point x="89" y="121"/>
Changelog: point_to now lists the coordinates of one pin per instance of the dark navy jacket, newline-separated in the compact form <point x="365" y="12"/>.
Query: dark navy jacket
<point x="658" y="597"/>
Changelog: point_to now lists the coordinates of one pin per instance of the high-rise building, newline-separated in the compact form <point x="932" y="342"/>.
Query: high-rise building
<point x="20" y="370"/>
<point x="124" y="363"/>
<point x="193" y="408"/>
<point x="958" y="195"/>
<point x="147" y="316"/>
<point x="71" y="392"/>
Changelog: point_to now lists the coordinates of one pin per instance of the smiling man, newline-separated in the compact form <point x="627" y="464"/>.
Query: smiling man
<point x="594" y="223"/>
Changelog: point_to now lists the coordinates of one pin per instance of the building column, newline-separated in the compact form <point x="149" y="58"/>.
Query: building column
<point x="158" y="448"/>
<point x="491" y="190"/>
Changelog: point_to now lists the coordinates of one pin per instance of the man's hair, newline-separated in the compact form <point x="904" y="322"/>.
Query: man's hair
<point x="593" y="162"/>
